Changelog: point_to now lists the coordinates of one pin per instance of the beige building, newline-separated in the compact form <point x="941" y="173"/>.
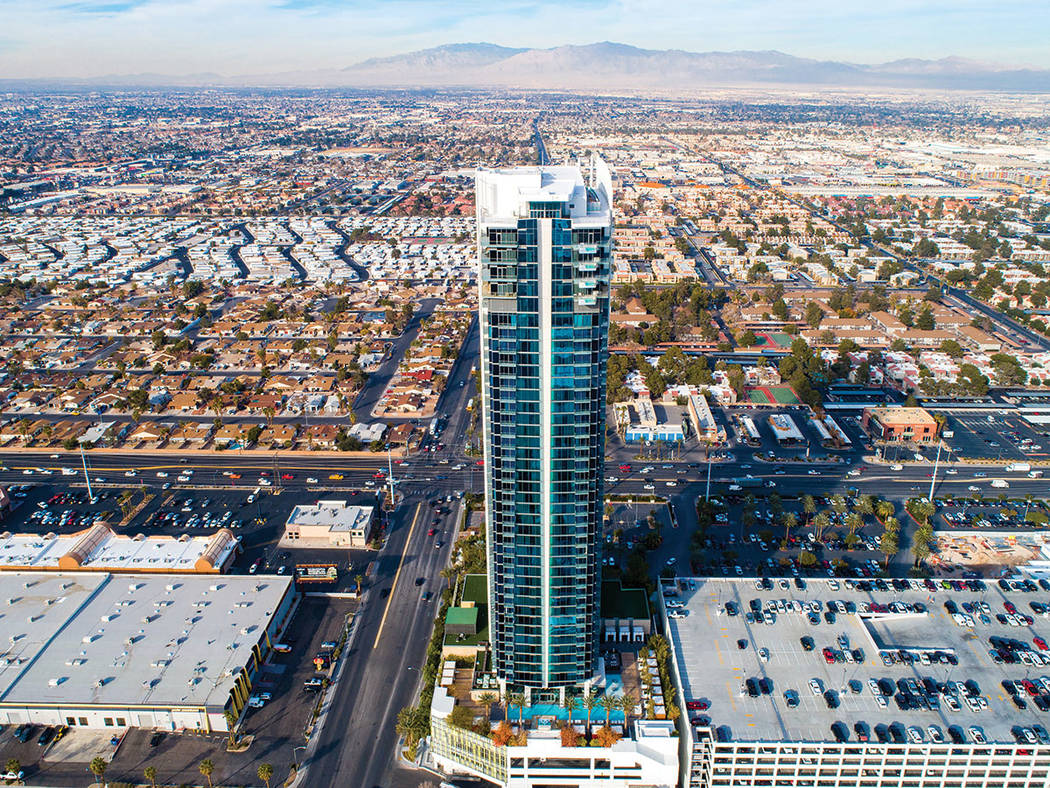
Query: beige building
<point x="330" y="524"/>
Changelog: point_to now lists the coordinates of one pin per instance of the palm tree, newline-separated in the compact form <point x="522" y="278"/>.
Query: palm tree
<point x="885" y="509"/>
<point x="359" y="579"/>
<point x="98" y="766"/>
<point x="150" y="773"/>
<point x="629" y="705"/>
<point x="821" y="521"/>
<point x="488" y="700"/>
<point x="609" y="704"/>
<point x="838" y="504"/>
<point x="517" y="699"/>
<point x="853" y="522"/>
<point x="569" y="704"/>
<point x="589" y="701"/>
<point x="269" y="413"/>
<point x="206" y="767"/>
<point x="265" y="772"/>
<point x="790" y="520"/>
<point x="866" y="505"/>
<point x="809" y="506"/>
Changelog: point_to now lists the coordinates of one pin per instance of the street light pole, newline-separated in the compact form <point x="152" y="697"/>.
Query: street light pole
<point x="87" y="478"/>
<point x="707" y="490"/>
<point x="936" y="463"/>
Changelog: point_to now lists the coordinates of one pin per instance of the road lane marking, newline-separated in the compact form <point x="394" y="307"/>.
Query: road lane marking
<point x="397" y="574"/>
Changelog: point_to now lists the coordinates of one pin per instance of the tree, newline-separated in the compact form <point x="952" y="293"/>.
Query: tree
<point x="884" y="510"/>
<point x="150" y="773"/>
<point x="809" y="506"/>
<point x="853" y="522"/>
<point x="359" y="579"/>
<point x="98" y="766"/>
<point x="609" y="704"/>
<point x="517" y="699"/>
<point x="488" y="700"/>
<point x="888" y="545"/>
<point x="231" y="725"/>
<point x="821" y="522"/>
<point x="606" y="737"/>
<point x="925" y="321"/>
<point x="413" y="723"/>
<point x="206" y="767"/>
<point x="628" y="705"/>
<point x="589" y="701"/>
<point x="265" y="772"/>
<point x="814" y="314"/>
<point x="789" y="521"/>
<point x="13" y="765"/>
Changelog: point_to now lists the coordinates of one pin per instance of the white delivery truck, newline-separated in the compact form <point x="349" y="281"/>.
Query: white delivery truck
<point x="1019" y="467"/>
<point x="1000" y="483"/>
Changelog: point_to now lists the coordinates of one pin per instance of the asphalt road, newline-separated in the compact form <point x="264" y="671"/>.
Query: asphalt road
<point x="356" y="745"/>
<point x="378" y="380"/>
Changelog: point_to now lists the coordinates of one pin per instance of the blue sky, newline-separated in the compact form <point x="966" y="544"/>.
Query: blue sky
<point x="84" y="38"/>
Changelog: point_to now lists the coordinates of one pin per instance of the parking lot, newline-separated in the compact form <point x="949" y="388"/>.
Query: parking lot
<point x="995" y="436"/>
<point x="966" y="514"/>
<point x="256" y="519"/>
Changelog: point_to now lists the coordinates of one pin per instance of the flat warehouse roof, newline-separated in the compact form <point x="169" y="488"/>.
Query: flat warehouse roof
<point x="713" y="667"/>
<point x="136" y="639"/>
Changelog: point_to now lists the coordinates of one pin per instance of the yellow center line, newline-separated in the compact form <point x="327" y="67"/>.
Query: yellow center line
<point x="397" y="574"/>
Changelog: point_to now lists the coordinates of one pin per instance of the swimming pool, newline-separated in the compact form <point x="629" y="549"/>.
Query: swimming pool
<point x="613" y="686"/>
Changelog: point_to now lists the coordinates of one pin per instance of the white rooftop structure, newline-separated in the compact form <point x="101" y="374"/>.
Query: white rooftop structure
<point x="80" y="642"/>
<point x="100" y="549"/>
<point x="505" y="194"/>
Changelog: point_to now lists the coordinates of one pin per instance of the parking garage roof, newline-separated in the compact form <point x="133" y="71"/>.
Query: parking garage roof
<point x="712" y="667"/>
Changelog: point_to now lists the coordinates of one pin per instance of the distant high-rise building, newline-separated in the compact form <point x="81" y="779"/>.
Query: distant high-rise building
<point x="544" y="243"/>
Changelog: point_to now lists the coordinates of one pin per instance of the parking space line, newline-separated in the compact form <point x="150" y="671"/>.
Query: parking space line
<point x="397" y="574"/>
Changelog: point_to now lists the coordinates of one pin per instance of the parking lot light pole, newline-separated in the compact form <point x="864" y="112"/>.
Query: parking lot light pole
<point x="295" y="762"/>
<point x="707" y="490"/>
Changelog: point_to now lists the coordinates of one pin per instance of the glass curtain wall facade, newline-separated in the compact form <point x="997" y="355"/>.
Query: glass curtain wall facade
<point x="544" y="305"/>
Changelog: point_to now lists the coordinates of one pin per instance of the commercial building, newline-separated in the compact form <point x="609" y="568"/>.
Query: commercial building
<point x="784" y="430"/>
<point x="544" y="238"/>
<point x="644" y="422"/>
<point x="97" y="650"/>
<point x="843" y="683"/>
<point x="703" y="420"/>
<point x="100" y="549"/>
<point x="330" y="524"/>
<point x="905" y="425"/>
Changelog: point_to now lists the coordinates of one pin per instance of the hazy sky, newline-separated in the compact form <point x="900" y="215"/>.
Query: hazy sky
<point x="229" y="37"/>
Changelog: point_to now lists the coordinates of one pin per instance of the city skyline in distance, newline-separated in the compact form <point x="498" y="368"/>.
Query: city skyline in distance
<point x="212" y="41"/>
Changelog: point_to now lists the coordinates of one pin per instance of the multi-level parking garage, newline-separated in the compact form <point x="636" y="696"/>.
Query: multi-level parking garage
<point x="820" y="683"/>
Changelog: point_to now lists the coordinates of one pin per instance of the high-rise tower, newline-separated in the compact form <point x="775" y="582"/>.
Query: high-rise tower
<point x="544" y="242"/>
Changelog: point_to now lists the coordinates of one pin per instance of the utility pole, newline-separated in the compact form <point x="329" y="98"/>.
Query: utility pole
<point x="707" y="490"/>
<point x="936" y="463"/>
<point x="390" y="476"/>
<point x="87" y="478"/>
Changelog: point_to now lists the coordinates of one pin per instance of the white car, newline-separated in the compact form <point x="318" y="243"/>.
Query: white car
<point x="671" y="483"/>
<point x="815" y="686"/>
<point x="130" y="474"/>
<point x="678" y="614"/>
<point x="311" y="480"/>
<point x="763" y="654"/>
<point x="973" y="488"/>
<point x="162" y="474"/>
<point x="897" y="467"/>
<point x="648" y="487"/>
<point x="264" y="482"/>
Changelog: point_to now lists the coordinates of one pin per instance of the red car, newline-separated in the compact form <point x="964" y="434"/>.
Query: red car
<point x="697" y="705"/>
<point x="431" y="532"/>
<point x="1040" y="643"/>
<point x="625" y="467"/>
<point x="829" y="655"/>
<point x="287" y="476"/>
<point x="379" y="475"/>
<point x="480" y="462"/>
